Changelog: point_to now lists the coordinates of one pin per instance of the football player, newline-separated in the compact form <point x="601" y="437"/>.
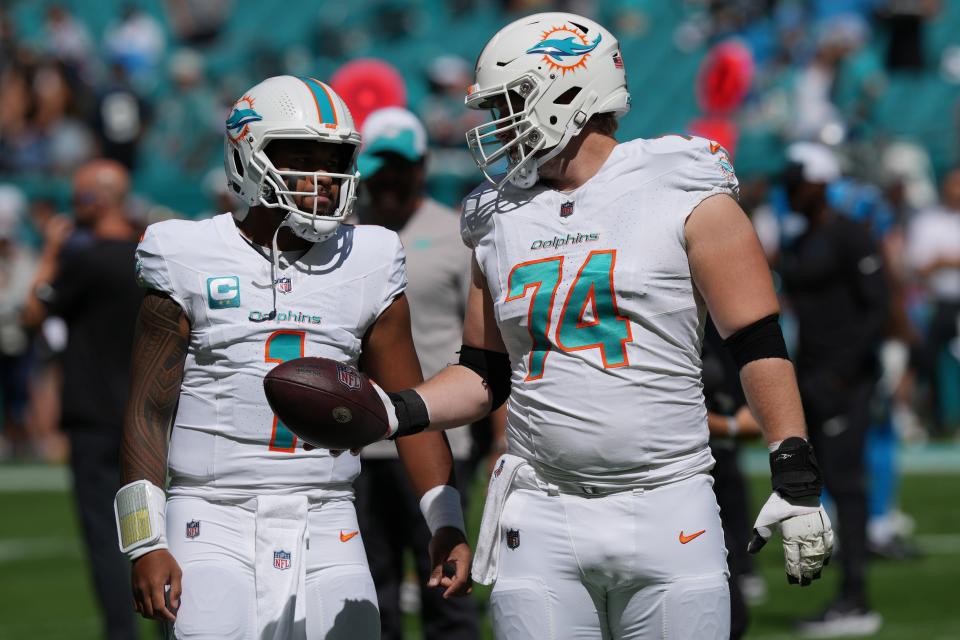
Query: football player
<point x="255" y="536"/>
<point x="595" y="263"/>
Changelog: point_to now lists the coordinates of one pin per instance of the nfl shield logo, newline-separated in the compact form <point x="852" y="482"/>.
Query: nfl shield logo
<point x="193" y="529"/>
<point x="499" y="469"/>
<point x="284" y="285"/>
<point x="513" y="538"/>
<point x="281" y="560"/>
<point x="348" y="377"/>
<point x="566" y="209"/>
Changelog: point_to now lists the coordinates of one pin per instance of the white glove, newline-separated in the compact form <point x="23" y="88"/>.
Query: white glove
<point x="807" y="535"/>
<point x="390" y="409"/>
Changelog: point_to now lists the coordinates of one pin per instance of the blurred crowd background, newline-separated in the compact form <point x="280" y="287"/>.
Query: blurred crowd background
<point x="150" y="83"/>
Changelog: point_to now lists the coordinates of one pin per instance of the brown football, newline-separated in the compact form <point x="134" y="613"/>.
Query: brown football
<point x="328" y="404"/>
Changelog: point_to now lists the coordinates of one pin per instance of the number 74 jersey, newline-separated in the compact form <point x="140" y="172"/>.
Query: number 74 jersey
<point x="597" y="308"/>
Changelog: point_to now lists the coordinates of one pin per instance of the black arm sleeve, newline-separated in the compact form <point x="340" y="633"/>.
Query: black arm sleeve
<point x="493" y="367"/>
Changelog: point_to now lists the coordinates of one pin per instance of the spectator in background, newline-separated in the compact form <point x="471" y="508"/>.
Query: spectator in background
<point x="198" y="22"/>
<point x="120" y="118"/>
<point x="442" y="110"/>
<point x="20" y="147"/>
<point x="92" y="287"/>
<point x="392" y="163"/>
<point x="66" y="139"/>
<point x="189" y="122"/>
<point x="835" y="92"/>
<point x="933" y="253"/>
<point x="451" y="171"/>
<point x="136" y="42"/>
<point x="43" y="412"/>
<point x="17" y="263"/>
<point x="833" y="275"/>
<point x="69" y="41"/>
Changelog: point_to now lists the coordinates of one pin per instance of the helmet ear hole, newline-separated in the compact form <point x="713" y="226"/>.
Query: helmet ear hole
<point x="237" y="163"/>
<point x="567" y="96"/>
<point x="553" y="119"/>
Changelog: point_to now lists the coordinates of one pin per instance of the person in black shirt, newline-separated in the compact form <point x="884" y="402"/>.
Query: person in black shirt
<point x="86" y="277"/>
<point x="834" y="278"/>
<point x="729" y="420"/>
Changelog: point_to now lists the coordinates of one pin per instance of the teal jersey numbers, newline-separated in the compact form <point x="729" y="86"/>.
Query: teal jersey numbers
<point x="280" y="347"/>
<point x="542" y="276"/>
<point x="589" y="318"/>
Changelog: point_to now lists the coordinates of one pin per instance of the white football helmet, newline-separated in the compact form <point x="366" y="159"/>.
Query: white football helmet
<point x="285" y="107"/>
<point x="560" y="69"/>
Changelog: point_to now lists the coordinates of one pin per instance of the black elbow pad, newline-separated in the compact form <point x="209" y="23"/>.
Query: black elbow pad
<point x="762" y="339"/>
<point x="493" y="367"/>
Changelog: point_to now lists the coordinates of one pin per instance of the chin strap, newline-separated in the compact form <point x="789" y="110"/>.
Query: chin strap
<point x="274" y="270"/>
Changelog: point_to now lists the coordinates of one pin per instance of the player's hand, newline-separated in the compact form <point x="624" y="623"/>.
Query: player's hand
<point x="450" y="557"/>
<point x="151" y="574"/>
<point x="807" y="535"/>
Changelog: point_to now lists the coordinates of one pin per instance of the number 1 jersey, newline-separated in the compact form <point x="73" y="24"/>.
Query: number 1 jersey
<point x="226" y="441"/>
<point x="595" y="302"/>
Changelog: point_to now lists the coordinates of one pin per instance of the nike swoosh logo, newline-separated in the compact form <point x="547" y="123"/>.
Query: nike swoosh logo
<point x="345" y="537"/>
<point x="685" y="539"/>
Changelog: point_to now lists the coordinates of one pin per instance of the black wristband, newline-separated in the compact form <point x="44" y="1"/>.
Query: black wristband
<point x="412" y="414"/>
<point x="794" y="469"/>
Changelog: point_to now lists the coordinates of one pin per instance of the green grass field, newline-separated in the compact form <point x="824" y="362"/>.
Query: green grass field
<point x="45" y="591"/>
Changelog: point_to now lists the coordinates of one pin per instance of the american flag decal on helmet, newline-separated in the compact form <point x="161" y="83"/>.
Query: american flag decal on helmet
<point x="617" y="60"/>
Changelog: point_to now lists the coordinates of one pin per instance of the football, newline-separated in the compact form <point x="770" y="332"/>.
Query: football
<point x="327" y="404"/>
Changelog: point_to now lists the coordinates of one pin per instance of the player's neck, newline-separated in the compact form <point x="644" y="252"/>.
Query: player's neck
<point x="259" y="226"/>
<point x="578" y="162"/>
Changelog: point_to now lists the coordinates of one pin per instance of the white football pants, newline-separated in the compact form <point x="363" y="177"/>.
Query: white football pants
<point x="271" y="568"/>
<point x="638" y="564"/>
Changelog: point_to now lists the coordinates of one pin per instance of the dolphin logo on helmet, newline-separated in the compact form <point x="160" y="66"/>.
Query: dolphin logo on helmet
<point x="239" y="118"/>
<point x="558" y="49"/>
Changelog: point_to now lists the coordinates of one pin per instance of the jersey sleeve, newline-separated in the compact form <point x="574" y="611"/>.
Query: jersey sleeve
<point x="704" y="169"/>
<point x="395" y="282"/>
<point x="696" y="169"/>
<point x="152" y="269"/>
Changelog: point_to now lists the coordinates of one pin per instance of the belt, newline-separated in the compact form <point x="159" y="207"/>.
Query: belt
<point x="528" y="478"/>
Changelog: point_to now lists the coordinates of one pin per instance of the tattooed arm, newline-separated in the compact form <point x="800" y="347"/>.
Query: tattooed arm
<point x="159" y="351"/>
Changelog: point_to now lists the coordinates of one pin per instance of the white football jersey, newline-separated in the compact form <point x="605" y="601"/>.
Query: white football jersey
<point x="596" y="305"/>
<point x="226" y="442"/>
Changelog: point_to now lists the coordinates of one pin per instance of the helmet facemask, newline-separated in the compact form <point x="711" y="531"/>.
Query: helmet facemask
<point x="513" y="133"/>
<point x="279" y="189"/>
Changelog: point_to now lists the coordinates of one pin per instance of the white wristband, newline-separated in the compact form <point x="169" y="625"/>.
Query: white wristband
<point x="732" y="426"/>
<point x="141" y="513"/>
<point x="440" y="507"/>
